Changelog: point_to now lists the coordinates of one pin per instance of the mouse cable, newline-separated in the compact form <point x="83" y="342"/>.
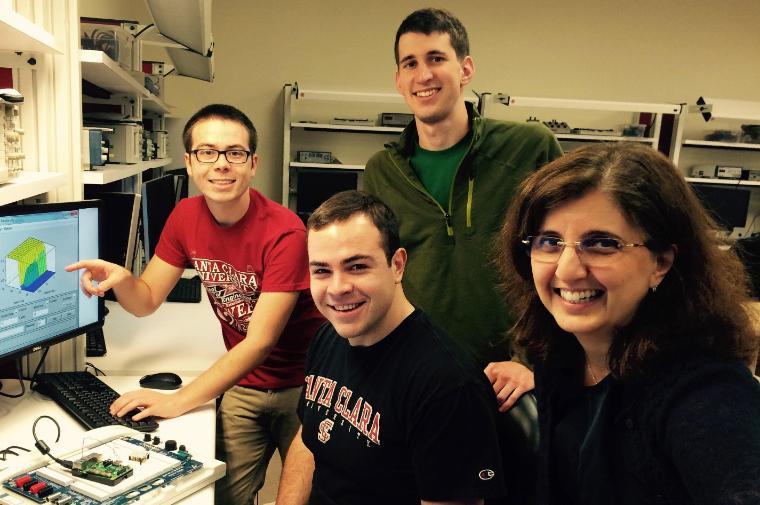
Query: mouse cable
<point x="97" y="370"/>
<point x="44" y="448"/>
<point x="9" y="450"/>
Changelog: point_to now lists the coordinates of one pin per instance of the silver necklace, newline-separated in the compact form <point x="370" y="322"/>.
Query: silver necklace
<point x="593" y="377"/>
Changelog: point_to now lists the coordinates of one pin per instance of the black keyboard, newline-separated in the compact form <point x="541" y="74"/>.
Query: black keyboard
<point x="87" y="399"/>
<point x="186" y="291"/>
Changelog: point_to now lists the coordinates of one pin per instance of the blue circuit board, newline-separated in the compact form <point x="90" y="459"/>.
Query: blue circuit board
<point x="66" y="495"/>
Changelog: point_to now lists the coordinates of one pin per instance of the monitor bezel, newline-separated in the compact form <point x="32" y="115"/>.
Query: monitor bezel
<point x="148" y="193"/>
<point x="134" y="225"/>
<point x="24" y="209"/>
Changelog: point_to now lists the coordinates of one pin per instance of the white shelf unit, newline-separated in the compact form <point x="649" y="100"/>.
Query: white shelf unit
<point x="346" y="128"/>
<point x="689" y="149"/>
<point x="603" y="111"/>
<point x="722" y="182"/>
<point x="152" y="103"/>
<point x="577" y="137"/>
<point x="30" y="184"/>
<point x="99" y="69"/>
<point x="306" y="127"/>
<point x="707" y="114"/>
<point x="18" y="33"/>
<point x="117" y="171"/>
<point x="326" y="166"/>
<point x="36" y="43"/>
<point x="731" y="146"/>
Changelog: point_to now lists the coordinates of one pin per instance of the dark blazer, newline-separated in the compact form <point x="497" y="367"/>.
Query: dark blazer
<point x="688" y="434"/>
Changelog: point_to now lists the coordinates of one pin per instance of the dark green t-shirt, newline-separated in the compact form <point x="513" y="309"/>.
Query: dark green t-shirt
<point x="436" y="169"/>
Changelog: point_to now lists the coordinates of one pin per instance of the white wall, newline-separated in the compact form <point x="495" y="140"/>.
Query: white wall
<point x="650" y="50"/>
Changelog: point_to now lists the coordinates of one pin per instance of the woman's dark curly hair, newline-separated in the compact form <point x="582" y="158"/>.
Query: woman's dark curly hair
<point x="700" y="306"/>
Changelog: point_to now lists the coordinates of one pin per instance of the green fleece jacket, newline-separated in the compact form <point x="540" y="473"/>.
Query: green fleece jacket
<point x="449" y="274"/>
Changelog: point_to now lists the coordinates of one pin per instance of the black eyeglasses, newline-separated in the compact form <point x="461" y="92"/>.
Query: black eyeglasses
<point x="593" y="251"/>
<point x="211" y="155"/>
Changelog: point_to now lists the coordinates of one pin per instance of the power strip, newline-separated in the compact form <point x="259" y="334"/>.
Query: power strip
<point x="160" y="474"/>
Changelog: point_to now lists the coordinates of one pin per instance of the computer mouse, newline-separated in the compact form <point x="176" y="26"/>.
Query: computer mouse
<point x="161" y="380"/>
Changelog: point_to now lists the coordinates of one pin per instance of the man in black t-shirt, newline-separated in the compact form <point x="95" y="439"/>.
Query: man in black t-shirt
<point x="390" y="413"/>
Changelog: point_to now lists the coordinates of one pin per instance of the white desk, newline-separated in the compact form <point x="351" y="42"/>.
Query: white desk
<point x="196" y="429"/>
<point x="184" y="338"/>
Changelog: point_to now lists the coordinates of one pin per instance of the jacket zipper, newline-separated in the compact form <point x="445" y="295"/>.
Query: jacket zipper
<point x="470" y="180"/>
<point x="446" y="215"/>
<point x="470" y="190"/>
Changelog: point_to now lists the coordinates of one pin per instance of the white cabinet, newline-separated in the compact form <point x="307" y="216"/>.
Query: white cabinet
<point x="309" y="118"/>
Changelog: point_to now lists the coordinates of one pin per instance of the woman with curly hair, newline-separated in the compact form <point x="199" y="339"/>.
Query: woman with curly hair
<point x="633" y="313"/>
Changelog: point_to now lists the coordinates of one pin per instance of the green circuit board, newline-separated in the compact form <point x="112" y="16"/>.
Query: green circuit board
<point x="94" y="466"/>
<point x="102" y="471"/>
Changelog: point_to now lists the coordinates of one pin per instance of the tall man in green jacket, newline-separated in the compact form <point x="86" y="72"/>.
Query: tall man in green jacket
<point x="450" y="179"/>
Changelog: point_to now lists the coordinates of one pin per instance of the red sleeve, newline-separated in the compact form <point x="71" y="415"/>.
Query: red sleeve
<point x="170" y="247"/>
<point x="286" y="265"/>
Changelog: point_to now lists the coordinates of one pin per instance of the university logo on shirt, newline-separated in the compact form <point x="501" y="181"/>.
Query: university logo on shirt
<point x="232" y="293"/>
<point x="340" y="403"/>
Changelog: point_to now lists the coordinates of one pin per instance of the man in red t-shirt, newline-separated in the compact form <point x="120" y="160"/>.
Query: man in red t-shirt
<point x="250" y="253"/>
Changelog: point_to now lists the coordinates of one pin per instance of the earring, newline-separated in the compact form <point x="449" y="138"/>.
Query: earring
<point x="653" y="289"/>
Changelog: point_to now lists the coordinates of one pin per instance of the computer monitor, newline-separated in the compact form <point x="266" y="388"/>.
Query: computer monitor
<point x="314" y="186"/>
<point x="40" y="303"/>
<point x="728" y="205"/>
<point x="157" y="203"/>
<point x="121" y="215"/>
<point x="180" y="182"/>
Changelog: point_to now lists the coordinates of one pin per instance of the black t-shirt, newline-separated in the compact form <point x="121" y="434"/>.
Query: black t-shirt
<point x="401" y="420"/>
<point x="576" y="451"/>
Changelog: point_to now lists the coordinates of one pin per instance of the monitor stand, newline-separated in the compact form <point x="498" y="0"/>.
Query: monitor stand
<point x="95" y="340"/>
<point x="96" y="343"/>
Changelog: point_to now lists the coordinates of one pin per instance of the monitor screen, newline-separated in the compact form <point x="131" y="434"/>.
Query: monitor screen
<point x="120" y="213"/>
<point x="40" y="303"/>
<point x="316" y="186"/>
<point x="727" y="205"/>
<point x="157" y="203"/>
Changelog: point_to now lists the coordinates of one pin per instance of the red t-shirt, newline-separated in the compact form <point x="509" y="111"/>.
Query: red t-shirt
<point x="263" y="252"/>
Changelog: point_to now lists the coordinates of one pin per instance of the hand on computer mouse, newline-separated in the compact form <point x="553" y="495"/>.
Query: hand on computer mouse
<point x="151" y="402"/>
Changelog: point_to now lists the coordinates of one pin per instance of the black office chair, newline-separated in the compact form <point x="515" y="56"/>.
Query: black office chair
<point x="518" y="440"/>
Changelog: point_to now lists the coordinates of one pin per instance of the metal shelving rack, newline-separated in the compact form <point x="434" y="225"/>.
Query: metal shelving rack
<point x="292" y="93"/>
<point x="711" y="109"/>
<point x="487" y="100"/>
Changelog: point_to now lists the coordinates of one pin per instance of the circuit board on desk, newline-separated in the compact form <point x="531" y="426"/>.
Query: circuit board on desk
<point x="116" y="472"/>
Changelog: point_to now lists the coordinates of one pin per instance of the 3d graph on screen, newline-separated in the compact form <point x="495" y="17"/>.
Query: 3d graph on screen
<point x="30" y="265"/>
